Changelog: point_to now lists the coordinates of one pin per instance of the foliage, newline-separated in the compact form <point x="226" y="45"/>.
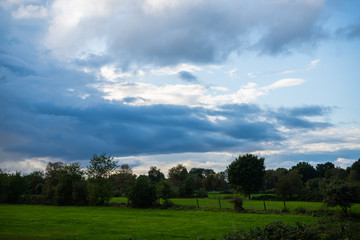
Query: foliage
<point x="321" y="168"/>
<point x="238" y="203"/>
<point x="279" y="230"/>
<point x="12" y="186"/>
<point x="142" y="194"/>
<point x="187" y="187"/>
<point x="306" y="170"/>
<point x="163" y="190"/>
<point x="246" y="173"/>
<point x="100" y="189"/>
<point x="122" y="179"/>
<point x="155" y="175"/>
<point x="289" y="184"/>
<point x="101" y="166"/>
<point x="201" y="193"/>
<point x="177" y="174"/>
<point x="341" y="194"/>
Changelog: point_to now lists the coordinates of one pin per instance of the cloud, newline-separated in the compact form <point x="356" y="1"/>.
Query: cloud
<point x="187" y="76"/>
<point x="172" y="32"/>
<point x="287" y="82"/>
<point x="351" y="31"/>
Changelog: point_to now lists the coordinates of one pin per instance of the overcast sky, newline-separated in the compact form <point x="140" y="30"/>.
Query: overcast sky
<point x="162" y="82"/>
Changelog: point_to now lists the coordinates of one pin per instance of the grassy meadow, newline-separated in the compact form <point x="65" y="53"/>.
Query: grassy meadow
<point x="257" y="205"/>
<point x="70" y="222"/>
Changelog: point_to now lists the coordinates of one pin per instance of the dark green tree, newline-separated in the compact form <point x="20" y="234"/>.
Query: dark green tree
<point x="177" y="176"/>
<point x="70" y="175"/>
<point x="289" y="184"/>
<point x="306" y="170"/>
<point x="100" y="189"/>
<point x="122" y="179"/>
<point x="155" y="175"/>
<point x="246" y="174"/>
<point x="321" y="168"/>
<point x="142" y="193"/>
<point x="341" y="194"/>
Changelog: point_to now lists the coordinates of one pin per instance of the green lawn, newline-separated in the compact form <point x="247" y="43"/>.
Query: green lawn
<point x="53" y="222"/>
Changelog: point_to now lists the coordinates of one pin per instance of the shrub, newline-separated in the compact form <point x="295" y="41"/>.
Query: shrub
<point x="238" y="204"/>
<point x="278" y="230"/>
<point x="142" y="194"/>
<point x="202" y="193"/>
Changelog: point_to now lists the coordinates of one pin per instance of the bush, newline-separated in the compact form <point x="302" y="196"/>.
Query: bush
<point x="202" y="193"/>
<point x="238" y="204"/>
<point x="142" y="194"/>
<point x="278" y="230"/>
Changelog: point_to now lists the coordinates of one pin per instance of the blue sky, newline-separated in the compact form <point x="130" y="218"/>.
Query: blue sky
<point x="162" y="82"/>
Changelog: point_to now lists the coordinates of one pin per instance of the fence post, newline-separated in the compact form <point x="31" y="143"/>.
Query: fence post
<point x="197" y="203"/>
<point x="264" y="205"/>
<point x="219" y="202"/>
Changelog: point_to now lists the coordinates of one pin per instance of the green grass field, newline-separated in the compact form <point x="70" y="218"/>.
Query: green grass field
<point x="248" y="204"/>
<point x="54" y="222"/>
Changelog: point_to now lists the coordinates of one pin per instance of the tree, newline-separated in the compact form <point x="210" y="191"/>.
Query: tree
<point x="122" y="179"/>
<point x="52" y="178"/>
<point x="341" y="194"/>
<point x="155" y="175"/>
<point x="163" y="190"/>
<point x="101" y="166"/>
<point x="69" y="176"/>
<point x="306" y="170"/>
<point x="100" y="187"/>
<point x="142" y="194"/>
<point x="354" y="174"/>
<point x="321" y="168"/>
<point x="289" y="184"/>
<point x="177" y="176"/>
<point x="246" y="173"/>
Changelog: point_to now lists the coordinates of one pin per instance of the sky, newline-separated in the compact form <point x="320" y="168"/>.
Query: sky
<point x="167" y="82"/>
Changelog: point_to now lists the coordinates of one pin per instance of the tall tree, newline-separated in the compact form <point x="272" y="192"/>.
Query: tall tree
<point x="100" y="187"/>
<point x="246" y="173"/>
<point x="306" y="170"/>
<point x="321" y="168"/>
<point x="155" y="175"/>
<point x="289" y="184"/>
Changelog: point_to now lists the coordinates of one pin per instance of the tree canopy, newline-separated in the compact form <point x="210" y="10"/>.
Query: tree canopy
<point x="246" y="173"/>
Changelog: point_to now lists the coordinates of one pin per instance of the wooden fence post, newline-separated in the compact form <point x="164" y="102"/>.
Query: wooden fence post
<point x="219" y="203"/>
<point x="197" y="203"/>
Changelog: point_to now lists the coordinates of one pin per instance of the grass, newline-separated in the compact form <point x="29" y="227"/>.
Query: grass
<point x="54" y="222"/>
<point x="248" y="204"/>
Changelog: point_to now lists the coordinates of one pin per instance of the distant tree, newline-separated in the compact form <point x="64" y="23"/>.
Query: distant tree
<point x="289" y="184"/>
<point x="12" y="186"/>
<point x="186" y="188"/>
<point x="155" y="175"/>
<point x="36" y="182"/>
<point x="341" y="194"/>
<point x="306" y="170"/>
<point x="100" y="189"/>
<point x="335" y="174"/>
<point x="101" y="166"/>
<point x="321" y="168"/>
<point x="354" y="174"/>
<point x="142" y="193"/>
<point x="70" y="175"/>
<point x="246" y="173"/>
<point x="177" y="176"/>
<point x="52" y="178"/>
<point x="122" y="179"/>
<point x="163" y="190"/>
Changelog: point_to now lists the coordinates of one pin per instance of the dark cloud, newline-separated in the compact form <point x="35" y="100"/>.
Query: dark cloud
<point x="197" y="32"/>
<point x="187" y="76"/>
<point x="298" y="117"/>
<point x="350" y="32"/>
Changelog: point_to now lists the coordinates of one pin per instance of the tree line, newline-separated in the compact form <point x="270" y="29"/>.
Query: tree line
<point x="104" y="178"/>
